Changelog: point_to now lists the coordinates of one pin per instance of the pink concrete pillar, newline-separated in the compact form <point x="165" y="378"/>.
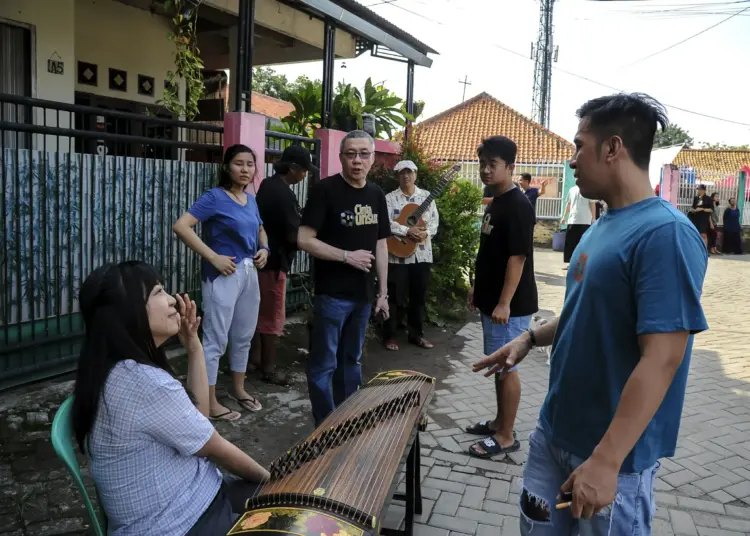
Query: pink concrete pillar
<point x="670" y="183"/>
<point x="248" y="129"/>
<point x="330" y="147"/>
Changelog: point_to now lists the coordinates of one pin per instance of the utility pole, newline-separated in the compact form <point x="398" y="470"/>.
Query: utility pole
<point x="544" y="53"/>
<point x="465" y="82"/>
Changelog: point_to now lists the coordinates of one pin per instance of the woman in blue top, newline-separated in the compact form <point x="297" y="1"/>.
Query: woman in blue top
<point x="235" y="247"/>
<point x="732" y="229"/>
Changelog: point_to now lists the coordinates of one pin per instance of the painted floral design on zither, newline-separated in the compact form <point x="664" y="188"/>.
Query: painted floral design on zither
<point x="256" y="520"/>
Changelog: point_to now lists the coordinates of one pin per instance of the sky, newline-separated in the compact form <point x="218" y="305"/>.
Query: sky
<point x="603" y="47"/>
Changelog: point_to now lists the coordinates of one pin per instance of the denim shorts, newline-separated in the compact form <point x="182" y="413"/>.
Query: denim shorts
<point x="498" y="335"/>
<point x="548" y="467"/>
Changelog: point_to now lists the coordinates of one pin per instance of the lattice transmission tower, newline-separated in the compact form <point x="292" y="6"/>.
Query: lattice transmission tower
<point x="544" y="53"/>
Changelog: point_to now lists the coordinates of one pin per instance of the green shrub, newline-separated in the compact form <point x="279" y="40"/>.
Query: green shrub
<point x="455" y="245"/>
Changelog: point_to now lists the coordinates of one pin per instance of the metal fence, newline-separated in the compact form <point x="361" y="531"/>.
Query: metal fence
<point x="549" y="206"/>
<point x="726" y="185"/>
<point x="79" y="187"/>
<point x="299" y="278"/>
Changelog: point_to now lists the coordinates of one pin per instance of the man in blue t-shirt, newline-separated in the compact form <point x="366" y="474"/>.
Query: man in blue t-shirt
<point x="621" y="346"/>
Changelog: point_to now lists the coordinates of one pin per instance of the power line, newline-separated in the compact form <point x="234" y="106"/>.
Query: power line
<point x="587" y="79"/>
<point x="601" y="84"/>
<point x="670" y="47"/>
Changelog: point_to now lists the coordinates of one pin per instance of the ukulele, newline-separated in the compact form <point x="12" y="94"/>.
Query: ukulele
<point x="411" y="216"/>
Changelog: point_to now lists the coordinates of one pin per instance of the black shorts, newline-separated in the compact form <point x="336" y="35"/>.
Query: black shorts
<point x="572" y="236"/>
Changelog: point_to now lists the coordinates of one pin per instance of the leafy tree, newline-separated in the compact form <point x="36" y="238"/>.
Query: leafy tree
<point x="306" y="115"/>
<point x="724" y="147"/>
<point x="269" y="82"/>
<point x="671" y="136"/>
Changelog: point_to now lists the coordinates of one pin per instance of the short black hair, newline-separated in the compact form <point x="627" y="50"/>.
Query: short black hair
<point x="634" y="117"/>
<point x="526" y="176"/>
<point x="498" y="147"/>
<point x="702" y="187"/>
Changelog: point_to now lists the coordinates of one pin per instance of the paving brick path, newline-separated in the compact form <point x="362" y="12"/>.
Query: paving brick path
<point x="703" y="491"/>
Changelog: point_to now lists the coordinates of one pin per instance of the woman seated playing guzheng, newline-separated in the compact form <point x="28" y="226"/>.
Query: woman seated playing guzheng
<point x="153" y="454"/>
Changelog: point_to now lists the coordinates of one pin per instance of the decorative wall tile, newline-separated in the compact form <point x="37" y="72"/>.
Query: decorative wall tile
<point x="88" y="73"/>
<point x="146" y="85"/>
<point x="118" y="80"/>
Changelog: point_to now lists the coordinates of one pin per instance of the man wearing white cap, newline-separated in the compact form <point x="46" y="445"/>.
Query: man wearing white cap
<point x="408" y="277"/>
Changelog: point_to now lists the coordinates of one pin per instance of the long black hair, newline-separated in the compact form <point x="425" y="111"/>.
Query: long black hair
<point x="113" y="304"/>
<point x="717" y="202"/>
<point x="225" y="177"/>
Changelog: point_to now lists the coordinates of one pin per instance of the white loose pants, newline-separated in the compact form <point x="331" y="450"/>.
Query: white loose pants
<point x="230" y="315"/>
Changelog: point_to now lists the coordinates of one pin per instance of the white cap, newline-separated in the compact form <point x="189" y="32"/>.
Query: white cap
<point x="405" y="164"/>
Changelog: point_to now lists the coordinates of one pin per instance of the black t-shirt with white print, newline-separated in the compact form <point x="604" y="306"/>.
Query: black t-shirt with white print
<point x="347" y="218"/>
<point x="507" y="231"/>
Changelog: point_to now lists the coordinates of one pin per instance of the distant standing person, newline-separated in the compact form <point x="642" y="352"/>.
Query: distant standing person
<point x="280" y="213"/>
<point x="732" y="229"/>
<point x="700" y="213"/>
<point x="531" y="193"/>
<point x="714" y="224"/>
<point x="345" y="225"/>
<point x="504" y="290"/>
<point x="578" y="215"/>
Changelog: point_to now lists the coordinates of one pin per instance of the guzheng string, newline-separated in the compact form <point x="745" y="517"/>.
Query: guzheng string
<point x="381" y="394"/>
<point x="352" y="456"/>
<point x="391" y="445"/>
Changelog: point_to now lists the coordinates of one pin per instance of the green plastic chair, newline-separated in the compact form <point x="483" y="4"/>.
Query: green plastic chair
<point x="62" y="442"/>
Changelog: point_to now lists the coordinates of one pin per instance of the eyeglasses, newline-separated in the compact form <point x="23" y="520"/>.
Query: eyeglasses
<point x="351" y="155"/>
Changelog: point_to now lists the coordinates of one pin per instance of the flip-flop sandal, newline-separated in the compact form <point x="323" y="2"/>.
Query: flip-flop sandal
<point x="227" y="416"/>
<point x="492" y="448"/>
<point x="246" y="403"/>
<point x="483" y="428"/>
<point x="391" y="345"/>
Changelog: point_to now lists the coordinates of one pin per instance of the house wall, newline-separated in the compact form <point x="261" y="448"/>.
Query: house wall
<point x="114" y="35"/>
<point x="53" y="27"/>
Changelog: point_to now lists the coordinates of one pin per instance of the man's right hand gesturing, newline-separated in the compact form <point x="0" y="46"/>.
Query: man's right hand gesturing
<point x="506" y="357"/>
<point x="360" y="259"/>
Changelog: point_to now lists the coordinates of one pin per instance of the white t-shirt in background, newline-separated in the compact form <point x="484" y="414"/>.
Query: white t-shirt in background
<point x="580" y="208"/>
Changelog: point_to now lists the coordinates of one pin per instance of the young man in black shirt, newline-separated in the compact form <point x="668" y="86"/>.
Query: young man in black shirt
<point x="504" y="287"/>
<point x="280" y="213"/>
<point x="345" y="225"/>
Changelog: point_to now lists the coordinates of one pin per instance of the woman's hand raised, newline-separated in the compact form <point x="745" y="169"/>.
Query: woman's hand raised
<point x="189" y="321"/>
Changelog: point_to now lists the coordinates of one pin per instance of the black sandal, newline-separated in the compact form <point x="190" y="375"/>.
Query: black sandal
<point x="483" y="428"/>
<point x="492" y="448"/>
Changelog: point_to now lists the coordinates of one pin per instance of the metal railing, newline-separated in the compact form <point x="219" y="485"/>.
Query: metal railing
<point x="726" y="185"/>
<point x="79" y="187"/>
<point x="549" y="206"/>
<point x="299" y="278"/>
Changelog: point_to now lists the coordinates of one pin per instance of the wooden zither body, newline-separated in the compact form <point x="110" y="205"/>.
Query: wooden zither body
<point x="340" y="479"/>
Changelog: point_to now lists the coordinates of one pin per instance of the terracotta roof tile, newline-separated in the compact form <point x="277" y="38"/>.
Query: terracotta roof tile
<point x="270" y="106"/>
<point x="455" y="134"/>
<point x="711" y="160"/>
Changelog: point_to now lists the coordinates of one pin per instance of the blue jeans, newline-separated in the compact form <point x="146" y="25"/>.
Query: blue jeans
<point x="338" y="335"/>
<point x="548" y="467"/>
<point x="498" y="335"/>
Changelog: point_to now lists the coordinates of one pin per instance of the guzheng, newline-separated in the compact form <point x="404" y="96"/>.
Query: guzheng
<point x="340" y="480"/>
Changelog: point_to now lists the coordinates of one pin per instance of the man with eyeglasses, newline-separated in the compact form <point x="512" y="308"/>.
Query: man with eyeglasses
<point x="344" y="227"/>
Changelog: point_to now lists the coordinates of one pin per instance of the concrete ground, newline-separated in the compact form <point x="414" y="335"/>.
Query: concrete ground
<point x="704" y="490"/>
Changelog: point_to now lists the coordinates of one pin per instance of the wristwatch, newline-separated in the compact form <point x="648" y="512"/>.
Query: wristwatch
<point x="266" y="248"/>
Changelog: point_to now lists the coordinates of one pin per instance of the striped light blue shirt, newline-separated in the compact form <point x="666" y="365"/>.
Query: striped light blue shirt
<point x="142" y="454"/>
